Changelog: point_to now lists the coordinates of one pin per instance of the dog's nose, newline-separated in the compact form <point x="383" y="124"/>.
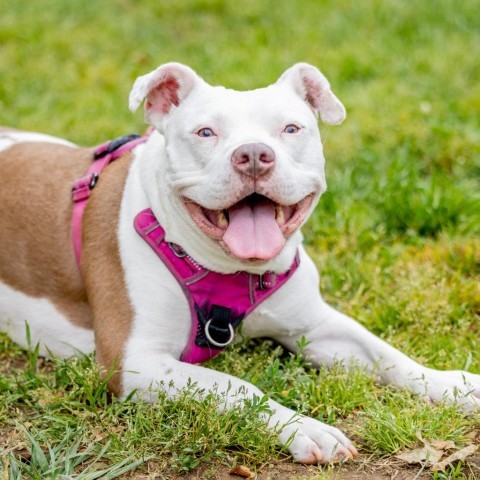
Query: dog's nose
<point x="253" y="159"/>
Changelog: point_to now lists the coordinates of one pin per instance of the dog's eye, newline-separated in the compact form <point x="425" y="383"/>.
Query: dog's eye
<point x="205" y="133"/>
<point x="291" y="129"/>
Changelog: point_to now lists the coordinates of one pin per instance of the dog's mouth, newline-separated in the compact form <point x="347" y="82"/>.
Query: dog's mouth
<point x="253" y="228"/>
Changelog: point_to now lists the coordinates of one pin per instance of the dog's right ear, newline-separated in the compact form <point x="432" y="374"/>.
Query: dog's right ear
<point x="163" y="89"/>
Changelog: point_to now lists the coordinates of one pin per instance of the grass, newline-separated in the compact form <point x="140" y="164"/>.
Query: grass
<point x="57" y="412"/>
<point x="396" y="237"/>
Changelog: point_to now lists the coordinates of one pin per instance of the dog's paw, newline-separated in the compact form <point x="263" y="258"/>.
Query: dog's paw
<point x="316" y="442"/>
<point x="455" y="386"/>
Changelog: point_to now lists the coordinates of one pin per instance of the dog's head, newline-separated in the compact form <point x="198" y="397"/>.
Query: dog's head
<point x="245" y="168"/>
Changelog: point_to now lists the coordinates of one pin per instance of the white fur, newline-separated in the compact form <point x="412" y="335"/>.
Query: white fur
<point x="48" y="327"/>
<point x="205" y="164"/>
<point x="9" y="138"/>
<point x="152" y="300"/>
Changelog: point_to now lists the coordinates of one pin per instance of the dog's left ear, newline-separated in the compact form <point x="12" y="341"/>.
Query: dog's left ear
<point x="312" y="86"/>
<point x="163" y="89"/>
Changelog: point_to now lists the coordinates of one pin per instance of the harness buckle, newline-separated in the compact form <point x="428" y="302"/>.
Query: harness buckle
<point x="267" y="281"/>
<point x="81" y="188"/>
<point x="177" y="250"/>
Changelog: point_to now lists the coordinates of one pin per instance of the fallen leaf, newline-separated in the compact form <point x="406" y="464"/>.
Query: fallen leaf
<point x="460" y="455"/>
<point x="472" y="435"/>
<point x="242" y="471"/>
<point x="437" y="444"/>
<point x="426" y="454"/>
<point x="443" y="444"/>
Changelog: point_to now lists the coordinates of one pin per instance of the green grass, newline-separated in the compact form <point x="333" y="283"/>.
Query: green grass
<point x="60" y="411"/>
<point x="396" y="237"/>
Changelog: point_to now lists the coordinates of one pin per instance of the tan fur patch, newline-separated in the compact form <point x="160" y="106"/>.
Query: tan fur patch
<point x="36" y="253"/>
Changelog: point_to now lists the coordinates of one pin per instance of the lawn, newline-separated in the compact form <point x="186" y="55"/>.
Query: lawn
<point x="396" y="237"/>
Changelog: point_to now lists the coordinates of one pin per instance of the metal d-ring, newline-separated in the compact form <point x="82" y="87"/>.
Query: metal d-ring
<point x="93" y="180"/>
<point x="212" y="341"/>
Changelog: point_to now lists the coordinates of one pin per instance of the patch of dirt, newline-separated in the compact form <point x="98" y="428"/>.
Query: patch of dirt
<point x="8" y="364"/>
<point x="364" y="467"/>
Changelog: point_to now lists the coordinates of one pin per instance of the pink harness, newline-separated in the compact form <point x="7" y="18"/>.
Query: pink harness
<point x="82" y="188"/>
<point x="218" y="302"/>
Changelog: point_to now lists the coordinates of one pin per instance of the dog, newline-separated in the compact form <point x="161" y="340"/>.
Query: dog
<point x="189" y="233"/>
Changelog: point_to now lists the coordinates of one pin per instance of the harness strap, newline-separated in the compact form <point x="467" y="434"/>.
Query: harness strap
<point x="218" y="302"/>
<point x="82" y="188"/>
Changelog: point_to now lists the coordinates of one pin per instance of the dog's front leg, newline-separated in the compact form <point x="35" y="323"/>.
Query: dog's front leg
<point x="313" y="441"/>
<point x="332" y="336"/>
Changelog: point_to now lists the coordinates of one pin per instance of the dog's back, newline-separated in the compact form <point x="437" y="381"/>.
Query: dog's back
<point x="38" y="283"/>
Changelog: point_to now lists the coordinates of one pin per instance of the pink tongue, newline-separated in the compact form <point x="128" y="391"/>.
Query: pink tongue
<point x="253" y="231"/>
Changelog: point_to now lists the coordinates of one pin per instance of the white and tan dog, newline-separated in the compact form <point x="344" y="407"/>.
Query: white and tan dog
<point x="231" y="176"/>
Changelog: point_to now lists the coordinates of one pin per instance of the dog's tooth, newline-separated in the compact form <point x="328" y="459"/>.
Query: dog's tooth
<point x="221" y="219"/>
<point x="279" y="216"/>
